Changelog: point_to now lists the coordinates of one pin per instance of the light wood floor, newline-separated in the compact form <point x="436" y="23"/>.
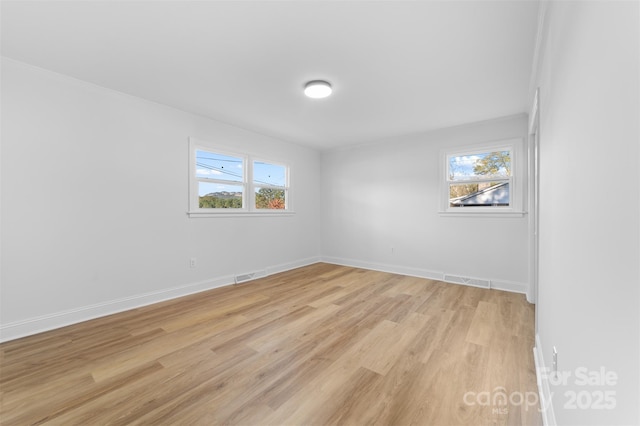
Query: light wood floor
<point x="320" y="345"/>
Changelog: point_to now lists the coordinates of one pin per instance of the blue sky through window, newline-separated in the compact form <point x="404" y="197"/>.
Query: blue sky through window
<point x="222" y="167"/>
<point x="269" y="174"/>
<point x="218" y="166"/>
<point x="461" y="166"/>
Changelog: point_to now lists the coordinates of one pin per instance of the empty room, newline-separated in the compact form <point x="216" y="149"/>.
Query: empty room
<point x="320" y="212"/>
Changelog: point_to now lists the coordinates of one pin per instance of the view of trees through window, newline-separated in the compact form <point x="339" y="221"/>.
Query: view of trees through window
<point x="269" y="181"/>
<point x="269" y="198"/>
<point x="471" y="177"/>
<point x="222" y="182"/>
<point x="221" y="200"/>
<point x="266" y="198"/>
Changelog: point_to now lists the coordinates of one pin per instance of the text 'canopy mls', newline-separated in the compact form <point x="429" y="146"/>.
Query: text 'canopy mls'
<point x="480" y="166"/>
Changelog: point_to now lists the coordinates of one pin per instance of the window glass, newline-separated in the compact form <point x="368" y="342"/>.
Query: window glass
<point x="213" y="195"/>
<point x="220" y="167"/>
<point x="485" y="194"/>
<point x="270" y="198"/>
<point x="220" y="182"/>
<point x="479" y="179"/>
<point x="269" y="174"/>
<point x="480" y="165"/>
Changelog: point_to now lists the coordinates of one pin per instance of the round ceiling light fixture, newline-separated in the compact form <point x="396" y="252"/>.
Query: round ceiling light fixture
<point x="317" y="89"/>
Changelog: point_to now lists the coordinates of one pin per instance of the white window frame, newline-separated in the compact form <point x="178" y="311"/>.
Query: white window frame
<point x="248" y="184"/>
<point x="516" y="180"/>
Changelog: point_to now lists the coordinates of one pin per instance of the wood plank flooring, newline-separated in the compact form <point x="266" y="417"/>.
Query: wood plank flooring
<point x="319" y="345"/>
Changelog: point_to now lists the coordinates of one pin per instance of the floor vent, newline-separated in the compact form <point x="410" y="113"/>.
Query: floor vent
<point x="475" y="282"/>
<point x="243" y="278"/>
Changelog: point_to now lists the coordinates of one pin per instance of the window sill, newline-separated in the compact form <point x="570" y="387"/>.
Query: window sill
<point x="199" y="214"/>
<point x="470" y="212"/>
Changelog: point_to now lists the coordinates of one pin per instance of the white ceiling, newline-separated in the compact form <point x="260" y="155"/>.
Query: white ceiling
<point x="397" y="67"/>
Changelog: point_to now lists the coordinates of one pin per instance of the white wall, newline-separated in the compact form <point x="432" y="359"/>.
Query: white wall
<point x="589" y="210"/>
<point x="386" y="194"/>
<point x="94" y="201"/>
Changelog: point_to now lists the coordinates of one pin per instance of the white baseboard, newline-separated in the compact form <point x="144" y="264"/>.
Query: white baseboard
<point x="30" y="326"/>
<point x="544" y="390"/>
<point x="276" y="269"/>
<point x="393" y="269"/>
<point x="510" y="286"/>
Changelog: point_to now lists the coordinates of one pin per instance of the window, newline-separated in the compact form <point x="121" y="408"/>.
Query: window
<point x="224" y="182"/>
<point x="482" y="179"/>
<point x="269" y="183"/>
<point x="220" y="180"/>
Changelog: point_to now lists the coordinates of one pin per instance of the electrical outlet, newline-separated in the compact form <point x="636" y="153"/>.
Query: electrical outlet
<point x="193" y="262"/>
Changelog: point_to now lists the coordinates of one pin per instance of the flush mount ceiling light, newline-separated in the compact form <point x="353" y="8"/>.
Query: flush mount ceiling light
<point x="317" y="89"/>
